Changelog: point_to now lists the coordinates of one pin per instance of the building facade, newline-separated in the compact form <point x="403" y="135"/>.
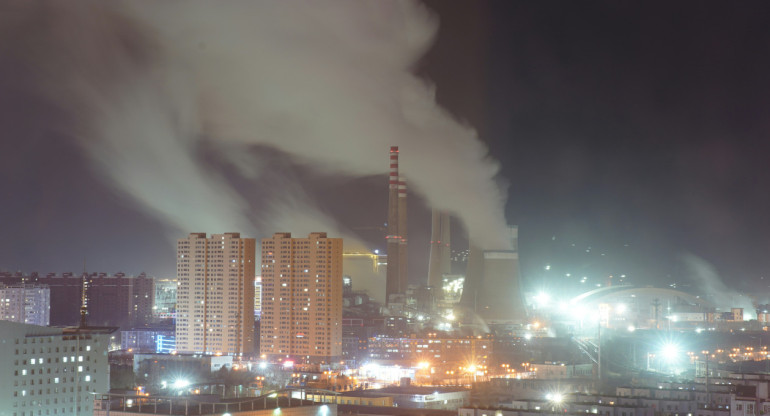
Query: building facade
<point x="164" y="304"/>
<point x="25" y="303"/>
<point x="52" y="371"/>
<point x="145" y="340"/>
<point x="258" y="296"/>
<point x="301" y="297"/>
<point x="215" y="295"/>
<point x="111" y="299"/>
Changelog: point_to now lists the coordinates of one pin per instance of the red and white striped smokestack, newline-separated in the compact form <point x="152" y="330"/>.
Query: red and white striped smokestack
<point x="393" y="178"/>
<point x="392" y="280"/>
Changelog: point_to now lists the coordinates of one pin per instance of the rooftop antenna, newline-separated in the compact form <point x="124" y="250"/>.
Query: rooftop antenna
<point x="83" y="299"/>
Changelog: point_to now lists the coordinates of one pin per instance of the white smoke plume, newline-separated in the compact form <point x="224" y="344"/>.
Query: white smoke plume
<point x="145" y="85"/>
<point x="707" y="281"/>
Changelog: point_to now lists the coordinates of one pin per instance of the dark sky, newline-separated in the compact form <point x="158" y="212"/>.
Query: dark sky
<point x="638" y="129"/>
<point x="629" y="134"/>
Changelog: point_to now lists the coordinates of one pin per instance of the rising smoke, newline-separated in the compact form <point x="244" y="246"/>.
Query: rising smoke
<point x="708" y="282"/>
<point x="144" y="86"/>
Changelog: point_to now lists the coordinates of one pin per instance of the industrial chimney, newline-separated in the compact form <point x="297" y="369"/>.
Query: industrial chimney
<point x="393" y="238"/>
<point x="403" y="275"/>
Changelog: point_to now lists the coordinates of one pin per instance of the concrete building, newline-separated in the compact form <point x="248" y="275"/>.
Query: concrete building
<point x="164" y="303"/>
<point x="52" y="371"/>
<point x="145" y="340"/>
<point x="301" y="297"/>
<point x="25" y="303"/>
<point x="112" y="299"/>
<point x="273" y="405"/>
<point x="203" y="364"/>
<point x="438" y="350"/>
<point x="433" y="397"/>
<point x="215" y="295"/>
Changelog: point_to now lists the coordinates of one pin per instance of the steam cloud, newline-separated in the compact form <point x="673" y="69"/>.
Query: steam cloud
<point x="707" y="280"/>
<point x="145" y="86"/>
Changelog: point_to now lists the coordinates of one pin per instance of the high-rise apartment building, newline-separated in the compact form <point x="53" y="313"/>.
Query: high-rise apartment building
<point x="52" y="371"/>
<point x="26" y="304"/>
<point x="215" y="295"/>
<point x="301" y="297"/>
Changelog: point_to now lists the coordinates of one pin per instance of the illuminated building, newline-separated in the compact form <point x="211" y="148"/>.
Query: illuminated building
<point x="25" y="303"/>
<point x="51" y="371"/>
<point x="258" y="296"/>
<point x="215" y="297"/>
<point x="301" y="297"/>
<point x="443" y="353"/>
<point x="145" y="339"/>
<point x="112" y="300"/>
<point x="164" y="304"/>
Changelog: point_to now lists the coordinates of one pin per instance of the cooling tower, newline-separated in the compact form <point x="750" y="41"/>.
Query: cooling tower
<point x="493" y="284"/>
<point x="440" y="261"/>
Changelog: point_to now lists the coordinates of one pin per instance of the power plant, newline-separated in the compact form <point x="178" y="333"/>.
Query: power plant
<point x="492" y="287"/>
<point x="396" y="274"/>
<point x="440" y="256"/>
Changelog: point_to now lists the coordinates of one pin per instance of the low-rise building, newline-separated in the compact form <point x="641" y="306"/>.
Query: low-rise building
<point x="52" y="371"/>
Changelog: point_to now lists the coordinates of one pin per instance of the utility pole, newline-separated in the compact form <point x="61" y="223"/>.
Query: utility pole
<point x="599" y="352"/>
<point x="656" y="305"/>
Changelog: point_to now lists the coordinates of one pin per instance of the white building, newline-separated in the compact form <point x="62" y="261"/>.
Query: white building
<point x="51" y="371"/>
<point x="25" y="303"/>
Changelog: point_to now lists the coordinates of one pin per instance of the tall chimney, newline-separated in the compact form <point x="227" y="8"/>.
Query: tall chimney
<point x="403" y="275"/>
<point x="439" y="264"/>
<point x="392" y="272"/>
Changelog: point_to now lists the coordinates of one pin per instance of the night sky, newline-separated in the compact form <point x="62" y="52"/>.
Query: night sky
<point x="631" y="136"/>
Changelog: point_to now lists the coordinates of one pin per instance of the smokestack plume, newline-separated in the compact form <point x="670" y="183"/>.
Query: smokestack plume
<point x="440" y="250"/>
<point x="153" y="91"/>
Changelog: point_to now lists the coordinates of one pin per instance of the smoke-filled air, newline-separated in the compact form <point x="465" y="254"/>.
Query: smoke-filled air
<point x="144" y="87"/>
